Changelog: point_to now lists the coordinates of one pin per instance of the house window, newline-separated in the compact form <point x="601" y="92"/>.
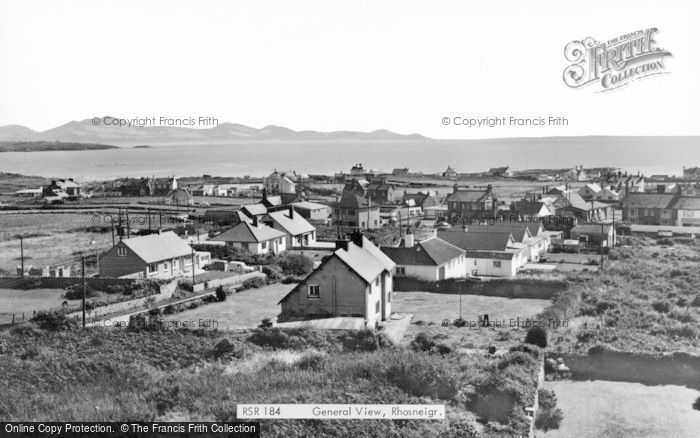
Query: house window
<point x="496" y="263"/>
<point x="351" y="212"/>
<point x="400" y="270"/>
<point x="376" y="307"/>
<point x="314" y="290"/>
<point x="388" y="297"/>
<point x="153" y="267"/>
<point x="263" y="245"/>
<point x="376" y="282"/>
<point x="121" y="251"/>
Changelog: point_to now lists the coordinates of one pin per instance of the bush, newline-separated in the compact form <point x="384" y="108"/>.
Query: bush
<point x="185" y="285"/>
<point x="296" y="264"/>
<point x="75" y="292"/>
<point x="549" y="419"/>
<point x="424" y="377"/>
<point x="665" y="241"/>
<point x="537" y="336"/>
<point x="313" y="361"/>
<point x="273" y="273"/>
<point x="365" y="340"/>
<point x="661" y="306"/>
<point x="220" y="293"/>
<point x="696" y="405"/>
<point x="253" y="283"/>
<point x="54" y="321"/>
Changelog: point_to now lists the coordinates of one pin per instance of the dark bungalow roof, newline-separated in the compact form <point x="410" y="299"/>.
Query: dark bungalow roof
<point x="430" y="252"/>
<point x="519" y="230"/>
<point x="498" y="255"/>
<point x="484" y="241"/>
<point x="687" y="203"/>
<point x="469" y="195"/>
<point x="247" y="232"/>
<point x="648" y="200"/>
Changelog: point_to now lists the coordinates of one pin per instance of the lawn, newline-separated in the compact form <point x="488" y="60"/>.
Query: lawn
<point x="244" y="309"/>
<point x="620" y="409"/>
<point x="27" y="301"/>
<point x="430" y="309"/>
<point x="50" y="239"/>
<point x="434" y="307"/>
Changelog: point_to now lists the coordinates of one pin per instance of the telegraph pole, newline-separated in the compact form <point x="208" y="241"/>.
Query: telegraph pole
<point x="82" y="258"/>
<point x="192" y="268"/>
<point x="21" y="252"/>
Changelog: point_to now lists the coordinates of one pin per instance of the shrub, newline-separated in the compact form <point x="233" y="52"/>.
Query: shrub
<point x="516" y="358"/>
<point x="296" y="264"/>
<point x="220" y="293"/>
<point x="289" y="279"/>
<point x="661" y="306"/>
<point x="422" y="342"/>
<point x="273" y="273"/>
<point x="549" y="419"/>
<point x="537" y="336"/>
<point x="185" y="285"/>
<point x="253" y="283"/>
<point x="665" y="241"/>
<point x="696" y="405"/>
<point x="365" y="340"/>
<point x="422" y="376"/>
<point x="54" y="321"/>
<point x="115" y="289"/>
<point x="75" y="292"/>
<point x="313" y="361"/>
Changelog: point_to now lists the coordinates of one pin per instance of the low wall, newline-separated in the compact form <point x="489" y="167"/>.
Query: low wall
<point x="500" y="287"/>
<point x="166" y="292"/>
<point x="675" y="369"/>
<point x="99" y="283"/>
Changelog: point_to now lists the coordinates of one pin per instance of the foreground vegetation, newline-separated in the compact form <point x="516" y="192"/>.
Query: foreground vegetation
<point x="646" y="300"/>
<point x="147" y="375"/>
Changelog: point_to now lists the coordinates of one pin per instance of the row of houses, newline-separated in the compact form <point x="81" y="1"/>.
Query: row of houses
<point x="677" y="206"/>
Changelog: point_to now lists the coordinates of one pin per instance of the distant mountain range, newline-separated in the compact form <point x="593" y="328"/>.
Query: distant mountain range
<point x="85" y="131"/>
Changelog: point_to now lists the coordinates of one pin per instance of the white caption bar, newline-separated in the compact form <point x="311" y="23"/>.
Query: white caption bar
<point x="341" y="412"/>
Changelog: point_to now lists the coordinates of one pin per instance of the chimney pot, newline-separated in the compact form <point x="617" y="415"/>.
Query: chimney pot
<point x="255" y="220"/>
<point x="341" y="244"/>
<point x="291" y="212"/>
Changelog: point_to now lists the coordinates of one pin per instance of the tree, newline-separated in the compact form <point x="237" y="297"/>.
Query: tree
<point x="296" y="264"/>
<point x="537" y="336"/>
<point x="220" y="293"/>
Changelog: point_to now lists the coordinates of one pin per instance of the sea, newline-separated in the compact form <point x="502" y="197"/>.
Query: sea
<point x="665" y="156"/>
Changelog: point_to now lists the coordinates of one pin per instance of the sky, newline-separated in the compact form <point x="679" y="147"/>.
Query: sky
<point x="341" y="65"/>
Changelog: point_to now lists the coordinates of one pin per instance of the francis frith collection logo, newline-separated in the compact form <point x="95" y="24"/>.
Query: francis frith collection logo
<point x="614" y="63"/>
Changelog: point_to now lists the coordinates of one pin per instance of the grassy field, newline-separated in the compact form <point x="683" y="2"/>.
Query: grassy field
<point x="245" y="309"/>
<point x="152" y="375"/>
<point x="27" y="301"/>
<point x="626" y="410"/>
<point x="646" y="300"/>
<point x="50" y="239"/>
<point x="430" y="309"/>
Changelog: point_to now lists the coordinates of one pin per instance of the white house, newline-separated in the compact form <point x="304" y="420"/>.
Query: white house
<point x="254" y="237"/>
<point x="431" y="259"/>
<point x="299" y="232"/>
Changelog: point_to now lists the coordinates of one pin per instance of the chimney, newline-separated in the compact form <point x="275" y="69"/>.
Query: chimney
<point x="356" y="238"/>
<point x="661" y="188"/>
<point x="408" y="238"/>
<point x="464" y="227"/>
<point x="291" y="212"/>
<point x="454" y="188"/>
<point x="341" y="244"/>
<point x="264" y="194"/>
<point x="255" y="220"/>
<point x="488" y="188"/>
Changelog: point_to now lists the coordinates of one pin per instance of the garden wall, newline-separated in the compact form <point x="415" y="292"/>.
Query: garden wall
<point x="674" y="369"/>
<point x="99" y="283"/>
<point x="500" y="287"/>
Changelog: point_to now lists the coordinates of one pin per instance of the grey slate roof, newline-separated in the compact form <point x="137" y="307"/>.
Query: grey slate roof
<point x="157" y="247"/>
<point x="430" y="252"/>
<point x="248" y="233"/>
<point x="482" y="241"/>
